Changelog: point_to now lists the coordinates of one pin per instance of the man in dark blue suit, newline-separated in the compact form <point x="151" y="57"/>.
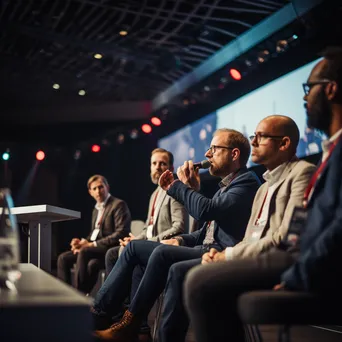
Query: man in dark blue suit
<point x="226" y="216"/>
<point x="311" y="253"/>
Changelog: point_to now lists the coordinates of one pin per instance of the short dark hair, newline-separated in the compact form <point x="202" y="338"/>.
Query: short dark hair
<point x="162" y="150"/>
<point x="237" y="140"/>
<point x="332" y="70"/>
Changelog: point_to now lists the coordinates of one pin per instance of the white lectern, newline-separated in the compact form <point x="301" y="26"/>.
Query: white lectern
<point x="39" y="218"/>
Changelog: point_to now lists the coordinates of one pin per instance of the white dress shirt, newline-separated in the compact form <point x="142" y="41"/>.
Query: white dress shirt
<point x="100" y="207"/>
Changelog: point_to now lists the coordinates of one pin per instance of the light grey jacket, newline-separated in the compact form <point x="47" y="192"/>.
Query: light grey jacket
<point x="170" y="217"/>
<point x="288" y="194"/>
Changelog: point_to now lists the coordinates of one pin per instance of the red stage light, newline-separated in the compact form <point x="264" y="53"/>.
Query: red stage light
<point x="95" y="148"/>
<point x="156" y="121"/>
<point x="146" y="128"/>
<point x="40" y="155"/>
<point x="235" y="74"/>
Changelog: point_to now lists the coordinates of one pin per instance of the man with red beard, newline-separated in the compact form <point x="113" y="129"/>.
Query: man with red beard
<point x="165" y="218"/>
<point x="309" y="260"/>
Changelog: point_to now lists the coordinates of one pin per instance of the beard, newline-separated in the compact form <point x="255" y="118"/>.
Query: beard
<point x="155" y="177"/>
<point x="319" y="116"/>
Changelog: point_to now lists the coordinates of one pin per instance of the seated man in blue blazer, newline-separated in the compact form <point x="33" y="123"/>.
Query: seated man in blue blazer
<point x="311" y="253"/>
<point x="226" y="216"/>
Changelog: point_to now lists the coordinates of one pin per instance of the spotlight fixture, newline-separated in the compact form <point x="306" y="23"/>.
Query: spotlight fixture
<point x="121" y="138"/>
<point x="40" y="155"/>
<point x="186" y="101"/>
<point x="146" y="128"/>
<point x="77" y="155"/>
<point x="282" y="45"/>
<point x="95" y="148"/>
<point x="134" y="134"/>
<point x="5" y="156"/>
<point x="263" y="56"/>
<point x="156" y="121"/>
<point x="235" y="74"/>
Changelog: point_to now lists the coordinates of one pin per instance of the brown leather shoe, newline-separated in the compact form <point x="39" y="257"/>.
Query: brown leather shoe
<point x="124" y="331"/>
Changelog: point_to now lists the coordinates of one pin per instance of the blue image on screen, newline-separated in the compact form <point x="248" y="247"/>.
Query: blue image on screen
<point x="283" y="95"/>
<point x="190" y="142"/>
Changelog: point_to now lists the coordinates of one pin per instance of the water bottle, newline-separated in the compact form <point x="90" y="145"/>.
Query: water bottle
<point x="9" y="243"/>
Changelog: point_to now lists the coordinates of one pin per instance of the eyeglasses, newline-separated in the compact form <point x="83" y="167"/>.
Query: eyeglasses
<point x="213" y="148"/>
<point x="308" y="85"/>
<point x="260" y="137"/>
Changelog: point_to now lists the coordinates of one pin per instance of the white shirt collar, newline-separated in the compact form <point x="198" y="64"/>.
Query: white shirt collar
<point x="326" y="143"/>
<point x="272" y="177"/>
<point x="100" y="206"/>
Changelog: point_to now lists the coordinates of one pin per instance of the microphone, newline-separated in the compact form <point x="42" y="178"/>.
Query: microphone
<point x="204" y="164"/>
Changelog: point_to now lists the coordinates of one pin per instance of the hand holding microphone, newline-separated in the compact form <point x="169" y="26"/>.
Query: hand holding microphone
<point x="204" y="164"/>
<point x="189" y="173"/>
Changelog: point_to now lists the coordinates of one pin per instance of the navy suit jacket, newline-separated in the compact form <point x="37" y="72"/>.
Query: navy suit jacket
<point x="230" y="209"/>
<point x="318" y="267"/>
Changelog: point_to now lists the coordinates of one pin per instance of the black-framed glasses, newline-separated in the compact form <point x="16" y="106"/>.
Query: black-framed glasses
<point x="308" y="85"/>
<point x="213" y="148"/>
<point x="260" y="137"/>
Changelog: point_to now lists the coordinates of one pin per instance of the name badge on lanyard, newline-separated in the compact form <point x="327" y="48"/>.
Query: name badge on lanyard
<point x="94" y="234"/>
<point x="149" y="231"/>
<point x="255" y="233"/>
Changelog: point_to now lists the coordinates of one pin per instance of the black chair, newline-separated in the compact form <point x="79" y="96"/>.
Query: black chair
<point x="286" y="309"/>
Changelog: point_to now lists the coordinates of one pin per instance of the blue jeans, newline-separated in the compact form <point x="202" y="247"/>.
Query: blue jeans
<point x="158" y="259"/>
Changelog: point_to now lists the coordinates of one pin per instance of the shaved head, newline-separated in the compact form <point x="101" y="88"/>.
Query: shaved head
<point x="284" y="125"/>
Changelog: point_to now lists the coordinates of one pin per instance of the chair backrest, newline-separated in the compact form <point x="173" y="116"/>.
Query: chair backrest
<point x="137" y="226"/>
<point x="193" y="224"/>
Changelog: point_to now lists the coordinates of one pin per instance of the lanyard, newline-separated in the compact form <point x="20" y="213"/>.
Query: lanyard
<point x="261" y="209"/>
<point x="153" y="207"/>
<point x="316" y="175"/>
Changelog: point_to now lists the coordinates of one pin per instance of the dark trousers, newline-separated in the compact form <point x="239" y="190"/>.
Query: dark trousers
<point x="158" y="260"/>
<point x="111" y="258"/>
<point x="89" y="261"/>
<point x="211" y="293"/>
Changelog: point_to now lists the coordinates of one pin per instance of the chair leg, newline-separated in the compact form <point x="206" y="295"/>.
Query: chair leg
<point x="252" y="333"/>
<point x="157" y="318"/>
<point x="284" y="333"/>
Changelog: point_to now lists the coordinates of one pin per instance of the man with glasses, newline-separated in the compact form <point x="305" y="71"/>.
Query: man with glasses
<point x="274" y="146"/>
<point x="308" y="259"/>
<point x="226" y="216"/>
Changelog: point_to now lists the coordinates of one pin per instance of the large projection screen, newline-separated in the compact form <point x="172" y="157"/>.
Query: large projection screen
<point x="281" y="96"/>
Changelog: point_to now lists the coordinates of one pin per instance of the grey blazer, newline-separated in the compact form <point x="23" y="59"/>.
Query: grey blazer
<point x="288" y="194"/>
<point x="170" y="217"/>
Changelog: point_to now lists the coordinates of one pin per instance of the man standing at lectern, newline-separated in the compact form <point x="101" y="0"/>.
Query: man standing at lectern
<point x="111" y="221"/>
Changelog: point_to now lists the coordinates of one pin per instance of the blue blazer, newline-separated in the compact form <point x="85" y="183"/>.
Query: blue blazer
<point x="230" y="209"/>
<point x="318" y="267"/>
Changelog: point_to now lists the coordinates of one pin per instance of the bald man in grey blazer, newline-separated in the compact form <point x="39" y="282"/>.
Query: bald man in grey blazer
<point x="286" y="178"/>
